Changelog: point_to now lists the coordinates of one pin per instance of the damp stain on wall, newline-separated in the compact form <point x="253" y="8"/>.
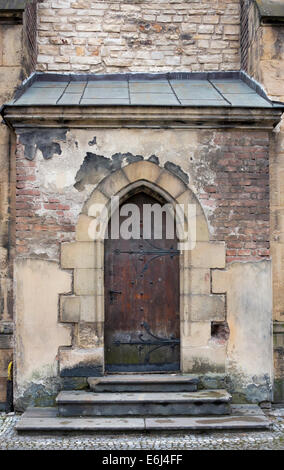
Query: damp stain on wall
<point x="46" y="140"/>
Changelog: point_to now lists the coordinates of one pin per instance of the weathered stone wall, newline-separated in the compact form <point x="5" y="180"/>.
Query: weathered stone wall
<point x="228" y="171"/>
<point x="266" y="64"/>
<point x="146" y="36"/>
<point x="15" y="65"/>
<point x="10" y="78"/>
<point x="59" y="169"/>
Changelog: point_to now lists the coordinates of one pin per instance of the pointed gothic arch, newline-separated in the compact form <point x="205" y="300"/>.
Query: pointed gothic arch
<point x="198" y="306"/>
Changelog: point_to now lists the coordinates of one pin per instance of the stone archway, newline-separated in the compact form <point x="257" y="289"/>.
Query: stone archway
<point x="85" y="307"/>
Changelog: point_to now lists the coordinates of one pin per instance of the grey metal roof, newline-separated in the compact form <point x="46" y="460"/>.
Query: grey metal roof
<point x="270" y="9"/>
<point x="173" y="89"/>
<point x="13" y="4"/>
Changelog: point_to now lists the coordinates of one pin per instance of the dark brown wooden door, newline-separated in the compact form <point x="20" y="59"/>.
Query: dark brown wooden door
<point x="142" y="328"/>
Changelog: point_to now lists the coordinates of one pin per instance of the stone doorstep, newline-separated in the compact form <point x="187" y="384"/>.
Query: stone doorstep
<point x="82" y="397"/>
<point x="244" y="417"/>
<point x="147" y="378"/>
<point x="143" y="383"/>
<point x="198" y="403"/>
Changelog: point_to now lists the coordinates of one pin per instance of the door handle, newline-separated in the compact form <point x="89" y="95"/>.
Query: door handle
<point x="112" y="293"/>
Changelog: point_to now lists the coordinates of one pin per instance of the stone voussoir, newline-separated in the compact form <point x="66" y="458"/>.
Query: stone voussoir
<point x="142" y="170"/>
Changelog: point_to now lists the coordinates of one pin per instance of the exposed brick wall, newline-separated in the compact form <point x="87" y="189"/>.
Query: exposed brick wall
<point x="240" y="193"/>
<point x="11" y="75"/>
<point x="238" y="199"/>
<point x="115" y="36"/>
<point x="37" y="233"/>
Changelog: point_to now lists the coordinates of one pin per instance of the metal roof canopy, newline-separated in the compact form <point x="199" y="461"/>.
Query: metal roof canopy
<point x="13" y="5"/>
<point x="271" y="11"/>
<point x="212" y="89"/>
<point x="174" y="100"/>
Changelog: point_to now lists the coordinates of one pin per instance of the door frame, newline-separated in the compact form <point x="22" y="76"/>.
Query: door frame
<point x="159" y="199"/>
<point x="199" y="305"/>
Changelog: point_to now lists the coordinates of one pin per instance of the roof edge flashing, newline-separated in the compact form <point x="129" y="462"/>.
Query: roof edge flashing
<point x="270" y="11"/>
<point x="13" y="5"/>
<point x="73" y="78"/>
<point x="256" y="86"/>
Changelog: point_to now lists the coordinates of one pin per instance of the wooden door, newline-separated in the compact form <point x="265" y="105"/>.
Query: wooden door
<point x="142" y="327"/>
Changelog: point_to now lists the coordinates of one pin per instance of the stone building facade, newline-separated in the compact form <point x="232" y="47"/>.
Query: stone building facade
<point x="58" y="159"/>
<point x="18" y="58"/>
<point x="105" y="37"/>
<point x="263" y="60"/>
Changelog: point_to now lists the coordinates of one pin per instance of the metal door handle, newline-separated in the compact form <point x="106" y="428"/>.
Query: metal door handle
<point x="111" y="294"/>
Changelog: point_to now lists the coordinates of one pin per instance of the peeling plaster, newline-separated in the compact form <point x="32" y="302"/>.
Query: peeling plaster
<point x="46" y="140"/>
<point x="93" y="166"/>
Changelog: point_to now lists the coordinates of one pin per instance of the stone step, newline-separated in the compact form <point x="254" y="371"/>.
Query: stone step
<point x="204" y="402"/>
<point x="144" y="383"/>
<point x="46" y="420"/>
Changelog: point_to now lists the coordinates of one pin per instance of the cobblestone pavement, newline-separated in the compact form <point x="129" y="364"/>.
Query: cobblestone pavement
<point x="267" y="440"/>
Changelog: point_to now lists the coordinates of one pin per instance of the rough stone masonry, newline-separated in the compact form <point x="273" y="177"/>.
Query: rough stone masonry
<point x="141" y="36"/>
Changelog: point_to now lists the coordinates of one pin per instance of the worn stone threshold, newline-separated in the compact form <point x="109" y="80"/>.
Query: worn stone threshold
<point x="148" y="378"/>
<point x="82" y="397"/>
<point x="144" y="383"/>
<point x="243" y="417"/>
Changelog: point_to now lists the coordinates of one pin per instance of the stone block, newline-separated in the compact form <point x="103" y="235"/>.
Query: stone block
<point x="197" y="334"/>
<point x="201" y="402"/>
<point x="195" y="281"/>
<point x="84" y="228"/>
<point x="171" y="184"/>
<point x="84" y="308"/>
<point x="81" y="362"/>
<point x="88" y="281"/>
<point x="96" y="198"/>
<point x="231" y="29"/>
<point x="90" y="335"/>
<point x="202" y="232"/>
<point x="88" y="308"/>
<point x="99" y="255"/>
<point x="220" y="281"/>
<point x="112" y="184"/>
<point x="185" y="309"/>
<point x="69" y="309"/>
<point x="202" y="360"/>
<point x="78" y="255"/>
<point x="12" y="45"/>
<point x="201" y="225"/>
<point x="206" y="307"/>
<point x="7" y="87"/>
<point x="142" y="170"/>
<point x="208" y="255"/>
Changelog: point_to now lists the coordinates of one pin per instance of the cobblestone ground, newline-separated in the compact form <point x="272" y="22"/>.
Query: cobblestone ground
<point x="268" y="440"/>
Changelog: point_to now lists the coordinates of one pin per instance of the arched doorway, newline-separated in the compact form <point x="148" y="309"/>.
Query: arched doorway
<point x="142" y="321"/>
